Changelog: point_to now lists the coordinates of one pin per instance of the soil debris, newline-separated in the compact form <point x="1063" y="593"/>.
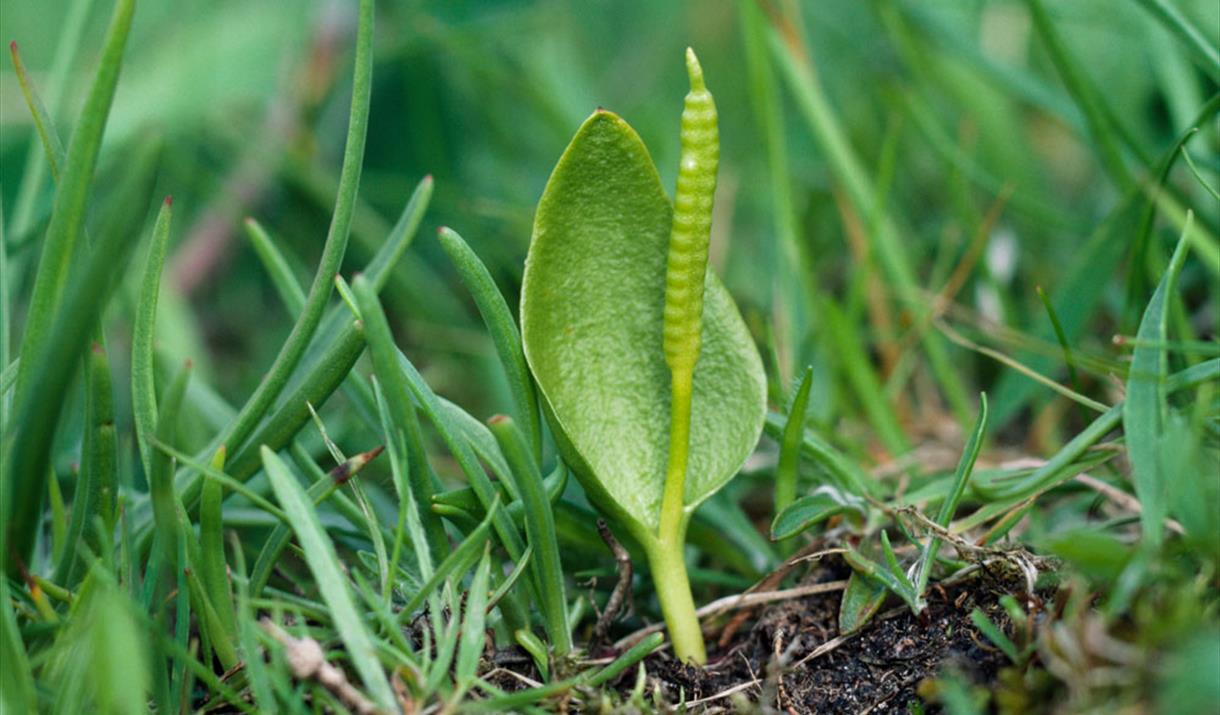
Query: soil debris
<point x="793" y="660"/>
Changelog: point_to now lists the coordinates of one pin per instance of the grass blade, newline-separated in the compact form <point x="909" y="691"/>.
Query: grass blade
<point x="629" y="657"/>
<point x="861" y="375"/>
<point x="463" y="554"/>
<point x="1101" y="122"/>
<point x="1204" y="52"/>
<point x="845" y="472"/>
<point x="408" y="514"/>
<point x="39" y="403"/>
<point x="324" y="565"/>
<point x="454" y="439"/>
<point x="512" y="702"/>
<point x="965" y="467"/>
<point x="849" y="171"/>
<point x="33" y="176"/>
<point x="470" y="647"/>
<point x="8" y="368"/>
<point x="329" y="370"/>
<point x="213" y="570"/>
<point x="861" y="600"/>
<point x="97" y="489"/>
<point x="1145" y="411"/>
<point x="540" y="528"/>
<point x="17" y="692"/>
<point x="504" y="332"/>
<point x="790" y="445"/>
<point x="277" y="267"/>
<point x="794" y="264"/>
<point x="118" y="653"/>
<point x="397" y="395"/>
<point x="303" y="330"/>
<point x="52" y="147"/>
<point x="160" y="478"/>
<point x="321" y="490"/>
<point x="810" y="510"/>
<point x="143" y="332"/>
<point x="1061" y="337"/>
<point x="292" y="413"/>
<point x="994" y="634"/>
<point x="68" y="215"/>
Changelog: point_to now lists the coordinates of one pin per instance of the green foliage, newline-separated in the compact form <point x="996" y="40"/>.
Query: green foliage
<point x="909" y="203"/>
<point x="813" y="509"/>
<point x="324" y="564"/>
<point x="593" y="296"/>
<point x="862" y="598"/>
<point x="1146" y="411"/>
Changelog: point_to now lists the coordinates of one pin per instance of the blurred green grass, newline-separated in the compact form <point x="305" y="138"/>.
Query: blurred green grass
<point x="249" y="98"/>
<point x="995" y="176"/>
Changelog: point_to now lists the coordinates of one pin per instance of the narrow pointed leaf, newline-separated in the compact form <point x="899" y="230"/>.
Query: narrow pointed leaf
<point x="861" y="600"/>
<point x="324" y="565"/>
<point x="1145" y="412"/>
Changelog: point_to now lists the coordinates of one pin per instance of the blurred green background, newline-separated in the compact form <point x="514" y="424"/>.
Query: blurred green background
<point x="955" y="109"/>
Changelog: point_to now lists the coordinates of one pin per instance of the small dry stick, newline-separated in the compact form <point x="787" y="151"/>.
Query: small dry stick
<point x="622" y="590"/>
<point x="770" y="581"/>
<point x="1123" y="499"/>
<point x="307" y="661"/>
<point x="724" y="693"/>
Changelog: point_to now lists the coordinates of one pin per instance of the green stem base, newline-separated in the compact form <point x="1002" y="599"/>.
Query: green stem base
<point x="668" y="567"/>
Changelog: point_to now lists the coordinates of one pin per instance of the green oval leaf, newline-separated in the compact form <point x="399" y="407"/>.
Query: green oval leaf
<point x="591" y="318"/>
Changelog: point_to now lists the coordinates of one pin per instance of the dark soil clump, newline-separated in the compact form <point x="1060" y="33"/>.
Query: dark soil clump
<point x="878" y="670"/>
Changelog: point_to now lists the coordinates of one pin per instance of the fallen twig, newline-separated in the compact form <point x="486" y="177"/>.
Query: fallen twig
<point x="622" y="590"/>
<point x="1123" y="499"/>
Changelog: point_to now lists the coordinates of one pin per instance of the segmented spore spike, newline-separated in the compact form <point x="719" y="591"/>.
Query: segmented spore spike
<point x="690" y="233"/>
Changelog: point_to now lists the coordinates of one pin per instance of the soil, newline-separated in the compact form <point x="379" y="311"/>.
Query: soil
<point x="879" y="670"/>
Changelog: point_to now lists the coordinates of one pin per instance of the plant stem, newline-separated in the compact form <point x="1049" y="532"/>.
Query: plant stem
<point x="665" y="556"/>
<point x="673" y="500"/>
<point x="668" y="566"/>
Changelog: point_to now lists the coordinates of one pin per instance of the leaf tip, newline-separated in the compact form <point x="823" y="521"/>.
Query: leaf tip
<point x="695" y="70"/>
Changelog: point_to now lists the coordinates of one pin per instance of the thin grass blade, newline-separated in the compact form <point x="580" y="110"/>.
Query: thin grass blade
<point x="473" y="639"/>
<point x="398" y="400"/>
<point x="55" y="354"/>
<point x="540" y="528"/>
<point x="143" y="331"/>
<point x="504" y="333"/>
<point x="324" y="565"/>
<point x="1145" y="411"/>
<point x="790" y="444"/>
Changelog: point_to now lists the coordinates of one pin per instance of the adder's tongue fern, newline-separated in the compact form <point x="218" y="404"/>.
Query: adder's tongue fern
<point x="686" y="267"/>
